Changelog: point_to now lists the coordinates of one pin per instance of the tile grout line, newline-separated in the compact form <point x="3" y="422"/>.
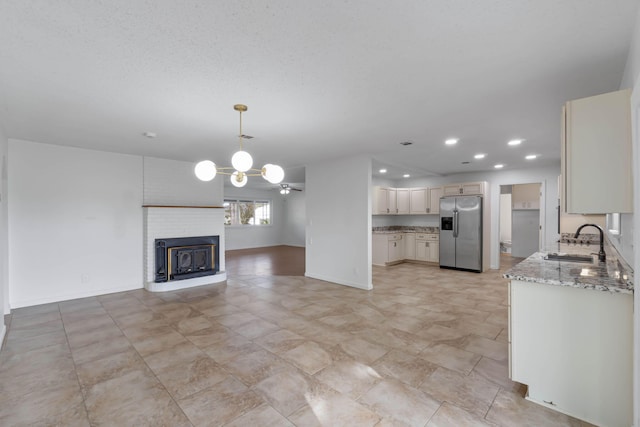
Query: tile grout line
<point x="75" y="367"/>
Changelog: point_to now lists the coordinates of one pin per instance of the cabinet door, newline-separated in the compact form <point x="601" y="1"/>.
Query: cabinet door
<point x="596" y="160"/>
<point x="452" y="190"/>
<point x="380" y="200"/>
<point x="419" y="200"/>
<point x="380" y="250"/>
<point x="410" y="246"/>
<point x="472" y="188"/>
<point x="434" y="252"/>
<point x="525" y="196"/>
<point x="568" y="364"/>
<point x="422" y="250"/>
<point x="395" y="250"/>
<point x="403" y="201"/>
<point x="434" y="200"/>
<point x="392" y="206"/>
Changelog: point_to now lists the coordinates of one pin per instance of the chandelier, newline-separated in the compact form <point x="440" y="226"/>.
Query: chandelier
<point x="242" y="164"/>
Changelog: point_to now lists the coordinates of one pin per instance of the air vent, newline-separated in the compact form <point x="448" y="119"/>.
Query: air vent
<point x="246" y="136"/>
<point x="406" y="143"/>
<point x="465" y="163"/>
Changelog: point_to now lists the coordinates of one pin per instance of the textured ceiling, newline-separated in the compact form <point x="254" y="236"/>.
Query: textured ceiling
<point x="322" y="79"/>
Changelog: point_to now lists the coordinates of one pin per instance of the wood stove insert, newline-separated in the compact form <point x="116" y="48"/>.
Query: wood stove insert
<point x="186" y="257"/>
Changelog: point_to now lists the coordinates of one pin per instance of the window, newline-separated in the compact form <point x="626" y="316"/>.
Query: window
<point x="613" y="224"/>
<point x="247" y="212"/>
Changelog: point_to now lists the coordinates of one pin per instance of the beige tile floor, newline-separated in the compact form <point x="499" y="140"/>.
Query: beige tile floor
<point x="426" y="347"/>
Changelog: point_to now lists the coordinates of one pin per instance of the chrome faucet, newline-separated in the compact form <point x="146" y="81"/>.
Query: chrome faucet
<point x="601" y="255"/>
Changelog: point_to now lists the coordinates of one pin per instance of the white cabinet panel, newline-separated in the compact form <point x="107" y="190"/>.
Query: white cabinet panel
<point x="596" y="154"/>
<point x="525" y="196"/>
<point x="464" y="189"/>
<point x="402" y="201"/>
<point x="380" y="200"/>
<point x="419" y="200"/>
<point x="434" y="200"/>
<point x="410" y="246"/>
<point x="572" y="347"/>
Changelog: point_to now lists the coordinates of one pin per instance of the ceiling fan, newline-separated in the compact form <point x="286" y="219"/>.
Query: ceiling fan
<point x="286" y="189"/>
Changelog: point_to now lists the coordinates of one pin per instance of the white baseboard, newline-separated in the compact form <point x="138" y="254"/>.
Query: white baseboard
<point x="175" y="285"/>
<point x="339" y="281"/>
<point x="71" y="296"/>
<point x="3" y="332"/>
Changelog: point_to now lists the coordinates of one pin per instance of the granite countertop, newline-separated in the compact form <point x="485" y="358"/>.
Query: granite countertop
<point x="392" y="229"/>
<point x="613" y="275"/>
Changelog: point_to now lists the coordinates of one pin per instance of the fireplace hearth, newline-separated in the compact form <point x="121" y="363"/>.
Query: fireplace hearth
<point x="186" y="257"/>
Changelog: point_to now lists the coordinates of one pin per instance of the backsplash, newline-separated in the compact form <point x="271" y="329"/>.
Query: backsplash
<point x="406" y="228"/>
<point x="583" y="239"/>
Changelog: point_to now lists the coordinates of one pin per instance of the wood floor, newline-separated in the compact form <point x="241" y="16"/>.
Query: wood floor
<point x="270" y="261"/>
<point x="290" y="261"/>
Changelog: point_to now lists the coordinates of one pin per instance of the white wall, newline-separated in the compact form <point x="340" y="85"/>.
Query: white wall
<point x="243" y="237"/>
<point x="293" y="231"/>
<point x="172" y="182"/>
<point x="4" y="233"/>
<point x="339" y="221"/>
<point x="75" y="223"/>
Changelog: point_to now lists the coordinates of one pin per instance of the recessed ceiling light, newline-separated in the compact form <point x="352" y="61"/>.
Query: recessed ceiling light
<point x="451" y="141"/>
<point x="406" y="175"/>
<point x="479" y="156"/>
<point x="515" y="142"/>
<point x="531" y="157"/>
<point x="498" y="166"/>
<point x="150" y="134"/>
<point x="382" y="171"/>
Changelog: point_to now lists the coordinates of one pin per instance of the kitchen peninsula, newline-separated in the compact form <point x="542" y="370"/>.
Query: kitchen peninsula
<point x="571" y="333"/>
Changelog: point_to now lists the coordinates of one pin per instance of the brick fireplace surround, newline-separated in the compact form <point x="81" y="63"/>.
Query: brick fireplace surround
<point x="164" y="222"/>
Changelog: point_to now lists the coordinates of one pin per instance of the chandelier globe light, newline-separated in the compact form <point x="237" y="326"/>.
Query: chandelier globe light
<point x="206" y="170"/>
<point x="242" y="164"/>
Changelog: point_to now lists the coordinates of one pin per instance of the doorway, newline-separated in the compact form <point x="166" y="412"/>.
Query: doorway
<point x="520" y="206"/>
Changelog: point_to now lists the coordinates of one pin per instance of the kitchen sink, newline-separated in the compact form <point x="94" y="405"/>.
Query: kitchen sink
<point x="569" y="258"/>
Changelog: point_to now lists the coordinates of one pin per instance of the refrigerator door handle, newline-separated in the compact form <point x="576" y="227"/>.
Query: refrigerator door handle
<point x="455" y="223"/>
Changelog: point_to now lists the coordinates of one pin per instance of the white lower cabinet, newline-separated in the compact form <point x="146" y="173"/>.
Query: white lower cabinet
<point x="393" y="248"/>
<point x="410" y="246"/>
<point x="572" y="347"/>
<point x="396" y="250"/>
<point x="387" y="248"/>
<point x="427" y="247"/>
<point x="427" y="251"/>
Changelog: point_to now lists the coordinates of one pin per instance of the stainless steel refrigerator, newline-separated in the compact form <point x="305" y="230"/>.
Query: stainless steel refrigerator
<point x="461" y="233"/>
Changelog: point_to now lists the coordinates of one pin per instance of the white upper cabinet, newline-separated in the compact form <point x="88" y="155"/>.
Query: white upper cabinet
<point x="392" y="201"/>
<point x="434" y="200"/>
<point x="380" y="204"/>
<point x="384" y="201"/>
<point x="419" y="200"/>
<point x="403" y="201"/>
<point x="596" y="154"/>
<point x="525" y="196"/>
<point x="464" y="189"/>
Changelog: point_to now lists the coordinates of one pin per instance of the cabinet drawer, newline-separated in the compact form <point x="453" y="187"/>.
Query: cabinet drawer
<point x="430" y="237"/>
<point x="395" y="237"/>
